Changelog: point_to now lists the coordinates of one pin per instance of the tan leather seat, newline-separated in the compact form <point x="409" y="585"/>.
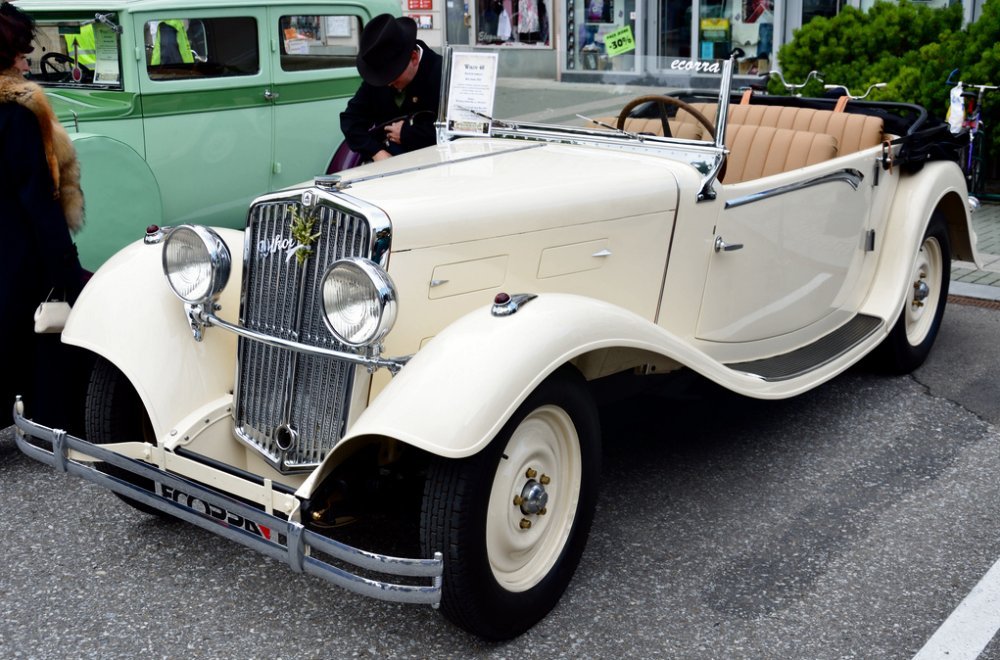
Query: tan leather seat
<point x="678" y="129"/>
<point x="759" y="151"/>
<point x="853" y="132"/>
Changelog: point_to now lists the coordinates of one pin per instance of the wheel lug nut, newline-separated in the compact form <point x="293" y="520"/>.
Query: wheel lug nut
<point x="525" y="523"/>
<point x="530" y="473"/>
<point x="542" y="511"/>
<point x="518" y="500"/>
<point x="544" y="480"/>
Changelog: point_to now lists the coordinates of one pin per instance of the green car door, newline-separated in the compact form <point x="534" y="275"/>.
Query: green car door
<point x="207" y="108"/>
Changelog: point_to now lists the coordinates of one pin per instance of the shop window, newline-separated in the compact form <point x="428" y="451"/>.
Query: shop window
<point x="513" y="22"/>
<point x="728" y="24"/>
<point x="814" y="8"/>
<point x="588" y="24"/>
<point x="318" y="42"/>
<point x="180" y="48"/>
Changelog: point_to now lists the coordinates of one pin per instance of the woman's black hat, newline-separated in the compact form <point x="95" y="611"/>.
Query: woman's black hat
<point x="386" y="44"/>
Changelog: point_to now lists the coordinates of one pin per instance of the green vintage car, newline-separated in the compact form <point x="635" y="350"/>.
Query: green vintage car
<point x="184" y="110"/>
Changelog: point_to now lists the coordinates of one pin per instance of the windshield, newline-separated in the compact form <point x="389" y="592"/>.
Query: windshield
<point x="679" y="108"/>
<point x="78" y="52"/>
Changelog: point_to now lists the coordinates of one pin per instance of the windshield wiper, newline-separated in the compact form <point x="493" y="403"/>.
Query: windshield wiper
<point x="620" y="131"/>
<point x="499" y="122"/>
<point x="103" y="18"/>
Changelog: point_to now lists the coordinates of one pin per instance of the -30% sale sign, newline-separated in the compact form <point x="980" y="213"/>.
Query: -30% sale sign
<point x="620" y="41"/>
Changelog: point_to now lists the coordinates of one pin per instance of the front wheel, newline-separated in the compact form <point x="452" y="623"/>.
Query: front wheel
<point x="910" y="340"/>
<point x="116" y="414"/>
<point x="513" y="519"/>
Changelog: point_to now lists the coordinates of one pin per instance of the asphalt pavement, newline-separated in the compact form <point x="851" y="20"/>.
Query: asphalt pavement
<point x="847" y="523"/>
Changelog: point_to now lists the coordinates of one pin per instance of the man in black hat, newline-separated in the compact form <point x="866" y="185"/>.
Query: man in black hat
<point x="399" y="94"/>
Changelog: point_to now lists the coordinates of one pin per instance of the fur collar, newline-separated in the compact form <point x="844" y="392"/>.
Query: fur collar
<point x="59" y="151"/>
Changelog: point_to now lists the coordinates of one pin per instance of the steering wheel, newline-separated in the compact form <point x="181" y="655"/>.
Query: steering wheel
<point x="58" y="67"/>
<point x="662" y="102"/>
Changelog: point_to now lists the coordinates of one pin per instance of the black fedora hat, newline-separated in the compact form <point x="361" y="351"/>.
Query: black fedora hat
<point x="386" y="44"/>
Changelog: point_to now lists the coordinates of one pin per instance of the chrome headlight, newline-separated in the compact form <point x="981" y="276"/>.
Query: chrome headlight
<point x="359" y="301"/>
<point x="196" y="262"/>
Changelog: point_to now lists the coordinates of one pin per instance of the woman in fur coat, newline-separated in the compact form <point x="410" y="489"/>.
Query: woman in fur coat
<point x="40" y="204"/>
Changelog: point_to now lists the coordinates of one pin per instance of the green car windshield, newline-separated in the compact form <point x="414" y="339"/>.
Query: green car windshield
<point x="78" y="52"/>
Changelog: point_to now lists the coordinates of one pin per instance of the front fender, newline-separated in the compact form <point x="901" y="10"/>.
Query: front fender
<point x="453" y="397"/>
<point x="121" y="194"/>
<point x="128" y="315"/>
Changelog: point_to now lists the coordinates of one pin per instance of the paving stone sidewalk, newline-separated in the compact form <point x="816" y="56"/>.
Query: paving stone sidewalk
<point x="985" y="283"/>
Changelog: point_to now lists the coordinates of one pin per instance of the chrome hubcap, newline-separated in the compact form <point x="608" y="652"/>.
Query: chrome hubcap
<point x="533" y="498"/>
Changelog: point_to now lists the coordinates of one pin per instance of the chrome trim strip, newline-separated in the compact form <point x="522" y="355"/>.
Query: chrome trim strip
<point x="850" y="176"/>
<point x="299" y="540"/>
<point x="372" y="362"/>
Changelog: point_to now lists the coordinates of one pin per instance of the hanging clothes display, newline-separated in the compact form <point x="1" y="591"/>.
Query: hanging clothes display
<point x="528" y="25"/>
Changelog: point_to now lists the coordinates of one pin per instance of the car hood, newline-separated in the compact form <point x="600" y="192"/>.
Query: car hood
<point x="71" y="105"/>
<point x="472" y="189"/>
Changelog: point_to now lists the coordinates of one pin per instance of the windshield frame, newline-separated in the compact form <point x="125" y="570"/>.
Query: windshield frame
<point x="705" y="156"/>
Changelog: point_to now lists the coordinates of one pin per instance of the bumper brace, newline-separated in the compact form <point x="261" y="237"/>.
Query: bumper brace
<point x="299" y="540"/>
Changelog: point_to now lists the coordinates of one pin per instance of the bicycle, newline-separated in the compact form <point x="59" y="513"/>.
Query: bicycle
<point x="972" y="156"/>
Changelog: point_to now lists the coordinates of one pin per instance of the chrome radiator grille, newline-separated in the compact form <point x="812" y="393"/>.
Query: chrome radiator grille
<point x="277" y="387"/>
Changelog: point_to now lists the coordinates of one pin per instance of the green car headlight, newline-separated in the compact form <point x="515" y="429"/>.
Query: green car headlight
<point x="197" y="263"/>
<point x="359" y="301"/>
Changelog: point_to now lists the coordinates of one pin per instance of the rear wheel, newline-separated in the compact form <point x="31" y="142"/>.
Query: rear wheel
<point x="910" y="340"/>
<point x="513" y="520"/>
<point x="116" y="414"/>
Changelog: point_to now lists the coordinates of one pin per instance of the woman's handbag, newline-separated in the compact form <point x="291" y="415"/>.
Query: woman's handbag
<point x="51" y="315"/>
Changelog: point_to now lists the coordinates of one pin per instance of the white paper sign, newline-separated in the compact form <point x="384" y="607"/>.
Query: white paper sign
<point x="471" y="90"/>
<point x="106" y="54"/>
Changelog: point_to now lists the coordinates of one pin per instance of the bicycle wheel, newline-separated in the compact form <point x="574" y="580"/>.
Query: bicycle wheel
<point x="977" y="166"/>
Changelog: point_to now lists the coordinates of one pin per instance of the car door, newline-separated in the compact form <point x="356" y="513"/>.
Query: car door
<point x="789" y="250"/>
<point x="314" y="76"/>
<point x="207" y="110"/>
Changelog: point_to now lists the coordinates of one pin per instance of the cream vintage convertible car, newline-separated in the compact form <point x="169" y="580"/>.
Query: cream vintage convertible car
<point x="425" y="331"/>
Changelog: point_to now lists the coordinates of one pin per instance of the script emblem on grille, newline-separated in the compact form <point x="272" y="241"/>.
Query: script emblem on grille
<point x="278" y="243"/>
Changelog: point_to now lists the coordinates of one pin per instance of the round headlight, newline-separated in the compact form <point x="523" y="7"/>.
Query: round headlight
<point x="196" y="262"/>
<point x="359" y="301"/>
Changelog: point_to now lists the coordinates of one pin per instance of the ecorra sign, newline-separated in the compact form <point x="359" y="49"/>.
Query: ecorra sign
<point x="694" y="65"/>
<point x="619" y="41"/>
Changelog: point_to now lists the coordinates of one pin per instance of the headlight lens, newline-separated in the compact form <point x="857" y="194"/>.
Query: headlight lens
<point x="359" y="301"/>
<point x="196" y="262"/>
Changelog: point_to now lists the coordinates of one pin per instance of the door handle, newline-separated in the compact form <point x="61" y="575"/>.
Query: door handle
<point x="722" y="246"/>
<point x="270" y="96"/>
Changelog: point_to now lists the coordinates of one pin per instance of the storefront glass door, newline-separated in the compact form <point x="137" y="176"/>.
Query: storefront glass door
<point x="588" y="23"/>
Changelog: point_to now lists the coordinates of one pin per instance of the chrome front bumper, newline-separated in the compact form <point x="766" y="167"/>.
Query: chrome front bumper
<point x="298" y="541"/>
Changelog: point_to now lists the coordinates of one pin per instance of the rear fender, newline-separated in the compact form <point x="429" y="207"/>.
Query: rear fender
<point x="938" y="187"/>
<point x="128" y="315"/>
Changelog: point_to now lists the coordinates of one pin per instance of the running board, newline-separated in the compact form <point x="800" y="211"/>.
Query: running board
<point x="824" y="350"/>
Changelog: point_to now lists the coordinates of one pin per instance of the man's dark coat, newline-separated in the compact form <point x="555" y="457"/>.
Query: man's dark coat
<point x="372" y="106"/>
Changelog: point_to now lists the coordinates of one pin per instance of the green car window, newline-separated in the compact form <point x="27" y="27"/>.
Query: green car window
<point x="179" y="48"/>
<point x="78" y="53"/>
<point x="318" y="42"/>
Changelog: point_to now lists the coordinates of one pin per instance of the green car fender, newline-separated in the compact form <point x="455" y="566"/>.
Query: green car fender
<point x="120" y="193"/>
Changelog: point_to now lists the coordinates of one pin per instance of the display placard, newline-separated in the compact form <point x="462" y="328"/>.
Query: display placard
<point x="471" y="91"/>
<point x="620" y="41"/>
<point x="106" y="70"/>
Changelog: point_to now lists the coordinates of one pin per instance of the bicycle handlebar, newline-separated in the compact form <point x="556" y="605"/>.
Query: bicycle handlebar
<point x="852" y="96"/>
<point x="794" y="88"/>
<point x="962" y="85"/>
